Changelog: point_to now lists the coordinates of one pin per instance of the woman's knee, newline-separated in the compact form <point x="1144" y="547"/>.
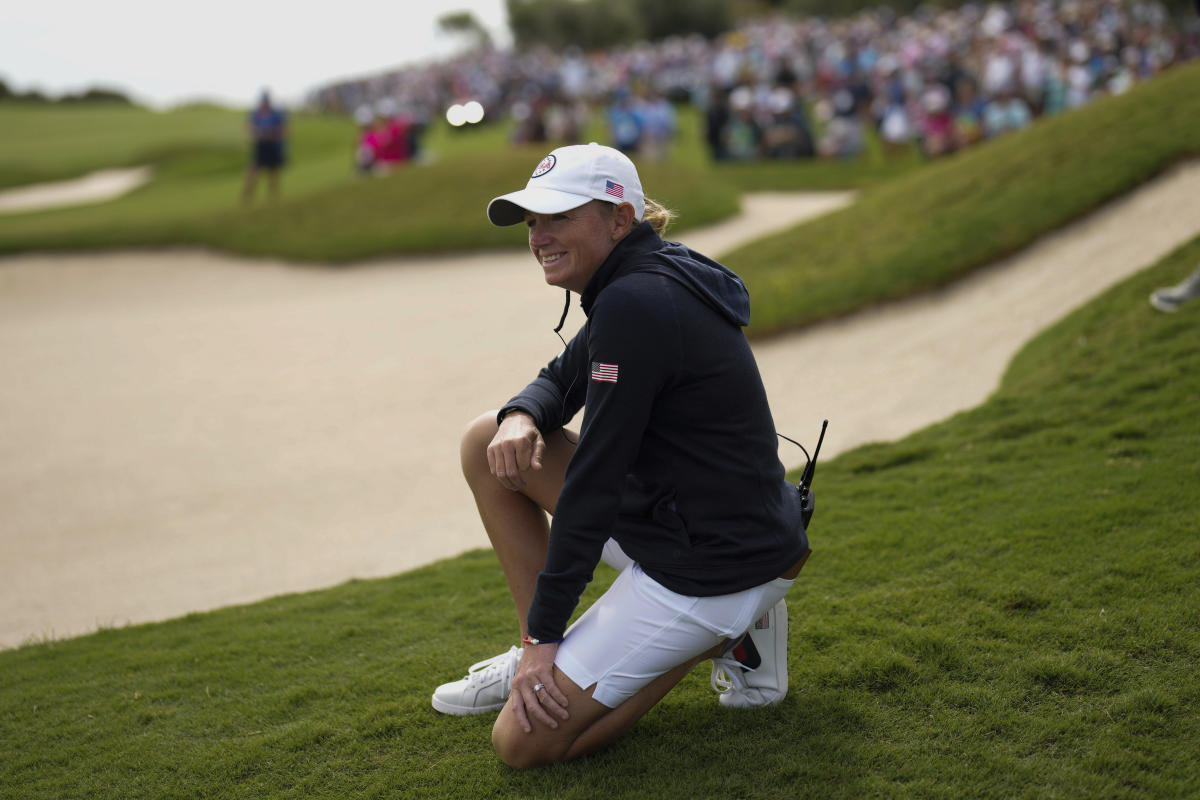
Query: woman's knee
<point x="475" y="441"/>
<point x="518" y="749"/>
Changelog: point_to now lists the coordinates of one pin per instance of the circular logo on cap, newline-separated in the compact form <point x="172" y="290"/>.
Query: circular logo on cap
<point x="547" y="164"/>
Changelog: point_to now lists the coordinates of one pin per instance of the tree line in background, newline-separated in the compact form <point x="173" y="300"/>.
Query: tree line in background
<point x="596" y="24"/>
<point x="92" y="95"/>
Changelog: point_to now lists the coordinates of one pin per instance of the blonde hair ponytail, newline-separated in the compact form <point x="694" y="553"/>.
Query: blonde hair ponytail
<point x="658" y="215"/>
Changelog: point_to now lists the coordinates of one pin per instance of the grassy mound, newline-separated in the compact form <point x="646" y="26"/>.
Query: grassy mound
<point x="929" y="226"/>
<point x="47" y="143"/>
<point x="1001" y="605"/>
<point x="432" y="209"/>
<point x="326" y="213"/>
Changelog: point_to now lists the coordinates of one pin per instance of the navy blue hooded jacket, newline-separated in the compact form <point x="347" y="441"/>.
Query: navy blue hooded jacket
<point x="677" y="456"/>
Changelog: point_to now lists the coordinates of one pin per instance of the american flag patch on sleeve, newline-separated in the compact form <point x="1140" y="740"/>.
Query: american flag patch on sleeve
<point x="604" y="372"/>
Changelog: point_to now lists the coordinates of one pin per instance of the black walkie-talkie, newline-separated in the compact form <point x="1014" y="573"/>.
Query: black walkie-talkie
<point x="808" y="502"/>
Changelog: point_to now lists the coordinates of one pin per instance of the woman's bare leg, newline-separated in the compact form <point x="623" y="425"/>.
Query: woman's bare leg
<point x="516" y="522"/>
<point x="591" y="725"/>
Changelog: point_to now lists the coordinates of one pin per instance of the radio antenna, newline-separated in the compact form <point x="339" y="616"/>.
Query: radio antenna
<point x="806" y="477"/>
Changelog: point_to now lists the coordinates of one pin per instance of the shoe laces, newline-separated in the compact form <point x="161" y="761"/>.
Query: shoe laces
<point x="502" y="666"/>
<point x="727" y="675"/>
<point x="728" y="672"/>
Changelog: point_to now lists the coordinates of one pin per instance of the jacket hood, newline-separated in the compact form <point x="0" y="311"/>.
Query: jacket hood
<point x="644" y="251"/>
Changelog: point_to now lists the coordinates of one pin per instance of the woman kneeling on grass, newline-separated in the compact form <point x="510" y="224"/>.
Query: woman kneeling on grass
<point x="674" y="479"/>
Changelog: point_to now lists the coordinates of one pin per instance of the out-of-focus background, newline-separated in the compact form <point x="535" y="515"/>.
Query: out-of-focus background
<point x="872" y="90"/>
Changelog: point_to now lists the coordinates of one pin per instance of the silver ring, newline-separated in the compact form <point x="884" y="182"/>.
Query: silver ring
<point x="537" y="687"/>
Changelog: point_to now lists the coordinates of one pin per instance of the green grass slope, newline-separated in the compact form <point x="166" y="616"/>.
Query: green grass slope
<point x="46" y="143"/>
<point x="433" y="209"/>
<point x="199" y="157"/>
<point x="1002" y="605"/>
<point x="326" y="213"/>
<point x="929" y="226"/>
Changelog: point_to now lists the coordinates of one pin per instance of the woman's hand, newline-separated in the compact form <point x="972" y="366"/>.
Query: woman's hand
<point x="518" y="446"/>
<point x="534" y="693"/>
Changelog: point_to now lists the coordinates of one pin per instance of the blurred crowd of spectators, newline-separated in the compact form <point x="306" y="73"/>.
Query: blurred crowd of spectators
<point x="793" y="88"/>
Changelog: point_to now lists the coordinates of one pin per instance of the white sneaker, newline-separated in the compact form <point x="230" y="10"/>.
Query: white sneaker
<point x="1170" y="298"/>
<point x="484" y="689"/>
<point x="753" y="672"/>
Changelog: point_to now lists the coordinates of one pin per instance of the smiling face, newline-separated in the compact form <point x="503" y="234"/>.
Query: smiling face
<point x="572" y="245"/>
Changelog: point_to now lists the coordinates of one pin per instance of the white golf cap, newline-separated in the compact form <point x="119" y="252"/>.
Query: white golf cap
<point x="569" y="177"/>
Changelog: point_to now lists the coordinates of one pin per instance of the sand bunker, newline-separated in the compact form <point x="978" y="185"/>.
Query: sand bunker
<point x="184" y="430"/>
<point x="107" y="184"/>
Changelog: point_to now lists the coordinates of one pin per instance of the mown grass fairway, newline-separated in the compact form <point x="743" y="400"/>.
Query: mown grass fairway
<point x="46" y="143"/>
<point x="326" y="212"/>
<point x="1002" y="605"/>
<point x="199" y="156"/>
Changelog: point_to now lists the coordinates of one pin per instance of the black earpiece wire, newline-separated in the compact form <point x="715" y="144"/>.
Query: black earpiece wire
<point x="562" y="425"/>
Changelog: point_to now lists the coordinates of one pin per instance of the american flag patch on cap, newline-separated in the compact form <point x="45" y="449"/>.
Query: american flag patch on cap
<point x="615" y="189"/>
<point x="604" y="372"/>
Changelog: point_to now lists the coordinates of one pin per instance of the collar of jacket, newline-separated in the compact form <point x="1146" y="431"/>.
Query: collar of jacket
<point x="641" y="239"/>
